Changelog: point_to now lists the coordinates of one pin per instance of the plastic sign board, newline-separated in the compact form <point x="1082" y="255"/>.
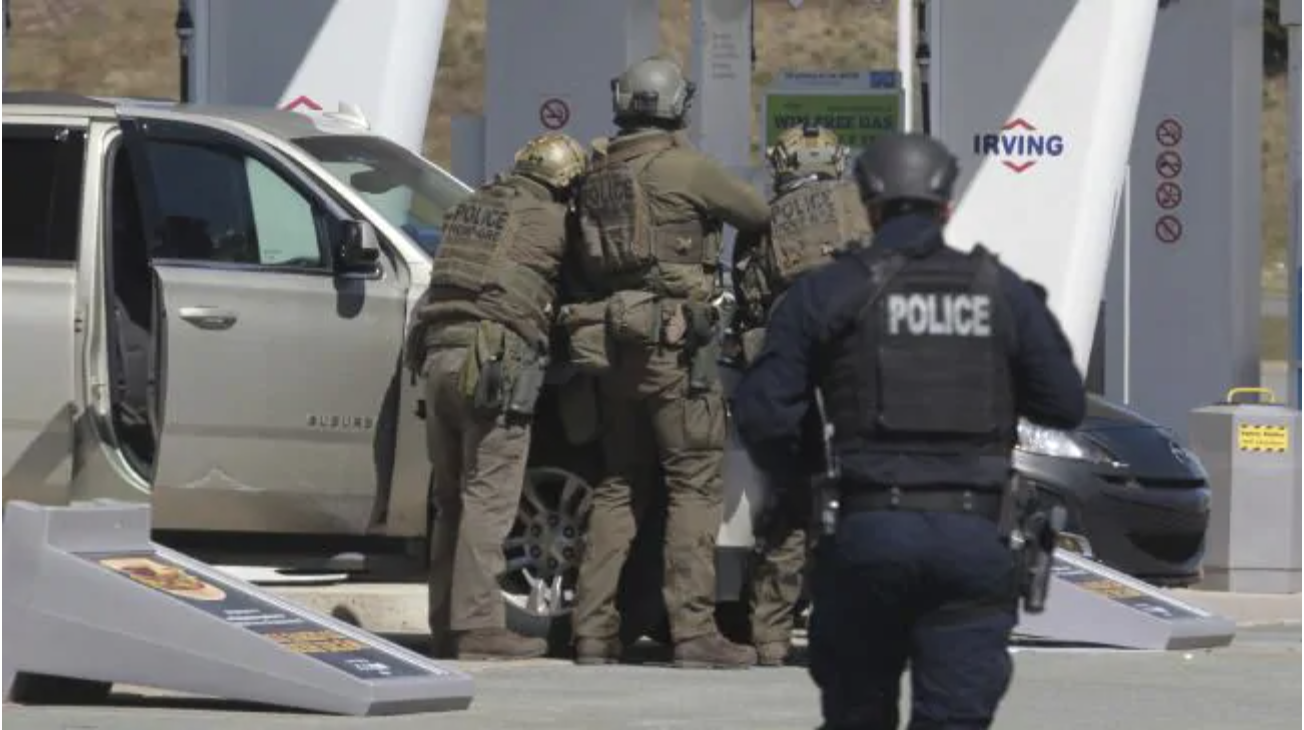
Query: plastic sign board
<point x="858" y="106"/>
<point x="91" y="602"/>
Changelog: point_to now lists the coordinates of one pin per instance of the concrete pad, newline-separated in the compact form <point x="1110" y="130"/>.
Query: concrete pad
<point x="1254" y="683"/>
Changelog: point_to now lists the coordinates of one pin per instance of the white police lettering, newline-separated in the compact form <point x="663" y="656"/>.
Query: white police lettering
<point x="962" y="315"/>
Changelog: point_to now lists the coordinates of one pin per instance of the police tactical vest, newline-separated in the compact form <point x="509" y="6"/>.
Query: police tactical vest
<point x="485" y="261"/>
<point x="620" y="242"/>
<point x="808" y="224"/>
<point x="924" y="367"/>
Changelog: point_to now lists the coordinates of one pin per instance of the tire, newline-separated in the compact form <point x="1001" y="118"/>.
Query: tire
<point x="542" y="554"/>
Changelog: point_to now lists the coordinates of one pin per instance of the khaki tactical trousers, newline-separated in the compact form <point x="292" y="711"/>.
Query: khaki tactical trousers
<point x="649" y="418"/>
<point x="777" y="576"/>
<point x="479" y="470"/>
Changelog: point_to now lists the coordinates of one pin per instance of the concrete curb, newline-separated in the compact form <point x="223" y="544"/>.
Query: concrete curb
<point x="1246" y="609"/>
<point x="381" y="608"/>
<point x="400" y="608"/>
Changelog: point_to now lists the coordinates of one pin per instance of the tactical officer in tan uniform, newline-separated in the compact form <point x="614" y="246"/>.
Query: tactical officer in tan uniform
<point x="651" y="213"/>
<point x="813" y="214"/>
<point x="484" y="323"/>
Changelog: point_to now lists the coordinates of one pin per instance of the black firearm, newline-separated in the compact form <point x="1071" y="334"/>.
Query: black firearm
<point x="826" y="484"/>
<point x="1036" y="530"/>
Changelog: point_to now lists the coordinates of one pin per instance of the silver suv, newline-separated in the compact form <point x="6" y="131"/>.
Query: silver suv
<point x="205" y="308"/>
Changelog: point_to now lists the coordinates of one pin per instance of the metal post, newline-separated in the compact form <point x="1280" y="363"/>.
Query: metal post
<point x="8" y="24"/>
<point x="906" y="61"/>
<point x="1290" y="17"/>
<point x="923" y="59"/>
<point x="185" y="27"/>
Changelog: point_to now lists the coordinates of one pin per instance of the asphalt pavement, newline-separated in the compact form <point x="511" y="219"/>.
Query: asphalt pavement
<point x="1254" y="683"/>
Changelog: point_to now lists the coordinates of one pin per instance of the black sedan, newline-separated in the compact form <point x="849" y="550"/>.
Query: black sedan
<point x="1139" y="497"/>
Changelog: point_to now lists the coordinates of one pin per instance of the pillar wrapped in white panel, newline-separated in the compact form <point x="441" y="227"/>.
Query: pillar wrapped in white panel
<point x="1039" y="99"/>
<point x="314" y="54"/>
<point x="1183" y="302"/>
<point x="549" y="66"/>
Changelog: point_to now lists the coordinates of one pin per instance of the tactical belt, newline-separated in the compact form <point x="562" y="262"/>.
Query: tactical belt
<point x="920" y="500"/>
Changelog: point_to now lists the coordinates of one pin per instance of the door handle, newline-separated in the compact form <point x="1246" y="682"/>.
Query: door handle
<point x="209" y="318"/>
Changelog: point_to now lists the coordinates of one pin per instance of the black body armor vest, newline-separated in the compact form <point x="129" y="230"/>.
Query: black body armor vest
<point x="924" y="366"/>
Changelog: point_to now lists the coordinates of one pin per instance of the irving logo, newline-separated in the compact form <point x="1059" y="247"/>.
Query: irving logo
<point x="1019" y="145"/>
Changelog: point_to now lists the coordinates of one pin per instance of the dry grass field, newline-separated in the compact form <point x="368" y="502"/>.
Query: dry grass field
<point x="128" y="47"/>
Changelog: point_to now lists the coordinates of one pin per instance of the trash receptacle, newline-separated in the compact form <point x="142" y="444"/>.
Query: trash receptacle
<point x="1251" y="451"/>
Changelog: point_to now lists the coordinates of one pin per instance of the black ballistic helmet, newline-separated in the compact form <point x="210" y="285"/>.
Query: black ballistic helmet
<point x="906" y="167"/>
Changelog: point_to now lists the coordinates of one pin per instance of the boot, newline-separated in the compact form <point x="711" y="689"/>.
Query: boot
<point x="713" y="651"/>
<point x="589" y="651"/>
<point x="490" y="644"/>
<point x="771" y="653"/>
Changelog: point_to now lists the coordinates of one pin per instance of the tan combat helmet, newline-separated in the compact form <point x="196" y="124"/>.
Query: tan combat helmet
<point x="806" y="150"/>
<point x="553" y="159"/>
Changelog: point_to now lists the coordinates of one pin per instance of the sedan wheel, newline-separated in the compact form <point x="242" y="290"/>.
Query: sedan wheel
<point x="543" y="552"/>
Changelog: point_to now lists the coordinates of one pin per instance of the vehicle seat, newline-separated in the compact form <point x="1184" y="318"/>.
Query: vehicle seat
<point x="185" y="238"/>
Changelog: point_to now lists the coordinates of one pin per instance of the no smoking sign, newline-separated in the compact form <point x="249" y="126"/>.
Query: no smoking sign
<point x="1169" y="132"/>
<point x="554" y="113"/>
<point x="1168" y="195"/>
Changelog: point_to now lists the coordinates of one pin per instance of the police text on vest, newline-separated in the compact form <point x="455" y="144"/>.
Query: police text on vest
<point x="961" y="315"/>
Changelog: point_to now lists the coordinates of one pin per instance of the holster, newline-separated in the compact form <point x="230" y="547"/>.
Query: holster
<point x="483" y="374"/>
<point x="527" y="384"/>
<point x="700" y="346"/>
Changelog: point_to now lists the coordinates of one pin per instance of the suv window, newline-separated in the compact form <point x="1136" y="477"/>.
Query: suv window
<point x="44" y="166"/>
<point x="218" y="204"/>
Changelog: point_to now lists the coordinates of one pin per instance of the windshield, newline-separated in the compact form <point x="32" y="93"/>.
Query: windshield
<point x="408" y="191"/>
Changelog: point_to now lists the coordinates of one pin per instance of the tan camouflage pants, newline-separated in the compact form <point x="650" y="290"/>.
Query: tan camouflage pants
<point x="777" y="574"/>
<point x="479" y="471"/>
<point x="648" y="418"/>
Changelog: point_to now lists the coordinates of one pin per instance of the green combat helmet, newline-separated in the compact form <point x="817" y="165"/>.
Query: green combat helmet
<point x="806" y="150"/>
<point x="653" y="90"/>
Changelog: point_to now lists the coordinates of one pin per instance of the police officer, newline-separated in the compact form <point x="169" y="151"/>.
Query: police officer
<point x="650" y="213"/>
<point x="484" y="323"/>
<point x="925" y="357"/>
<point x="814" y="213"/>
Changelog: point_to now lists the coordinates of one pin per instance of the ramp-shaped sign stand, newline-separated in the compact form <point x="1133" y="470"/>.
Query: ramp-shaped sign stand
<point x="1090" y="603"/>
<point x="90" y="601"/>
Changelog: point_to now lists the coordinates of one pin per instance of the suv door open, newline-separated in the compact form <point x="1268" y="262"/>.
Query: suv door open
<point x="279" y="343"/>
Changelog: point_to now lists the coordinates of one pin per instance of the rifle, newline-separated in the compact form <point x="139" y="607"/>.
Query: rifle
<point x="1034" y="534"/>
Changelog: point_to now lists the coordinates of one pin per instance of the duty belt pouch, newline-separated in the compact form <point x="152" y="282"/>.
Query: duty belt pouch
<point x="482" y="376"/>
<point x="584" y="326"/>
<point x="634" y="318"/>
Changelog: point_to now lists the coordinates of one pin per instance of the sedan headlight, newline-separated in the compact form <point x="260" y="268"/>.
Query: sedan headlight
<point x="1045" y="441"/>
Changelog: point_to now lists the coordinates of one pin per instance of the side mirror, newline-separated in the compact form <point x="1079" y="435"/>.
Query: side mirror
<point x="357" y="247"/>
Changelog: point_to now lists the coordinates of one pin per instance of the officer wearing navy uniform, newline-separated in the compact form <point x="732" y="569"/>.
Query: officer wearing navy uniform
<point x="926" y="357"/>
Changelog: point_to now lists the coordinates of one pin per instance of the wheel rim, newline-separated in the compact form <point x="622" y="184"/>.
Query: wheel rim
<point x="543" y="549"/>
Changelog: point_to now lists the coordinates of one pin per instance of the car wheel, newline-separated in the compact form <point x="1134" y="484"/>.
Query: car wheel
<point x="543" y="553"/>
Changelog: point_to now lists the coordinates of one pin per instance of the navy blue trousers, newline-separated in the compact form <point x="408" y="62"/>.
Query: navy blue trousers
<point x="935" y="591"/>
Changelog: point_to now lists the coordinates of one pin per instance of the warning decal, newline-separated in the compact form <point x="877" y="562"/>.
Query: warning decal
<point x="1269" y="439"/>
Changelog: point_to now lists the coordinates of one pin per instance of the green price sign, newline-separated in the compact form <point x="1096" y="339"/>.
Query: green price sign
<point x="857" y="117"/>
